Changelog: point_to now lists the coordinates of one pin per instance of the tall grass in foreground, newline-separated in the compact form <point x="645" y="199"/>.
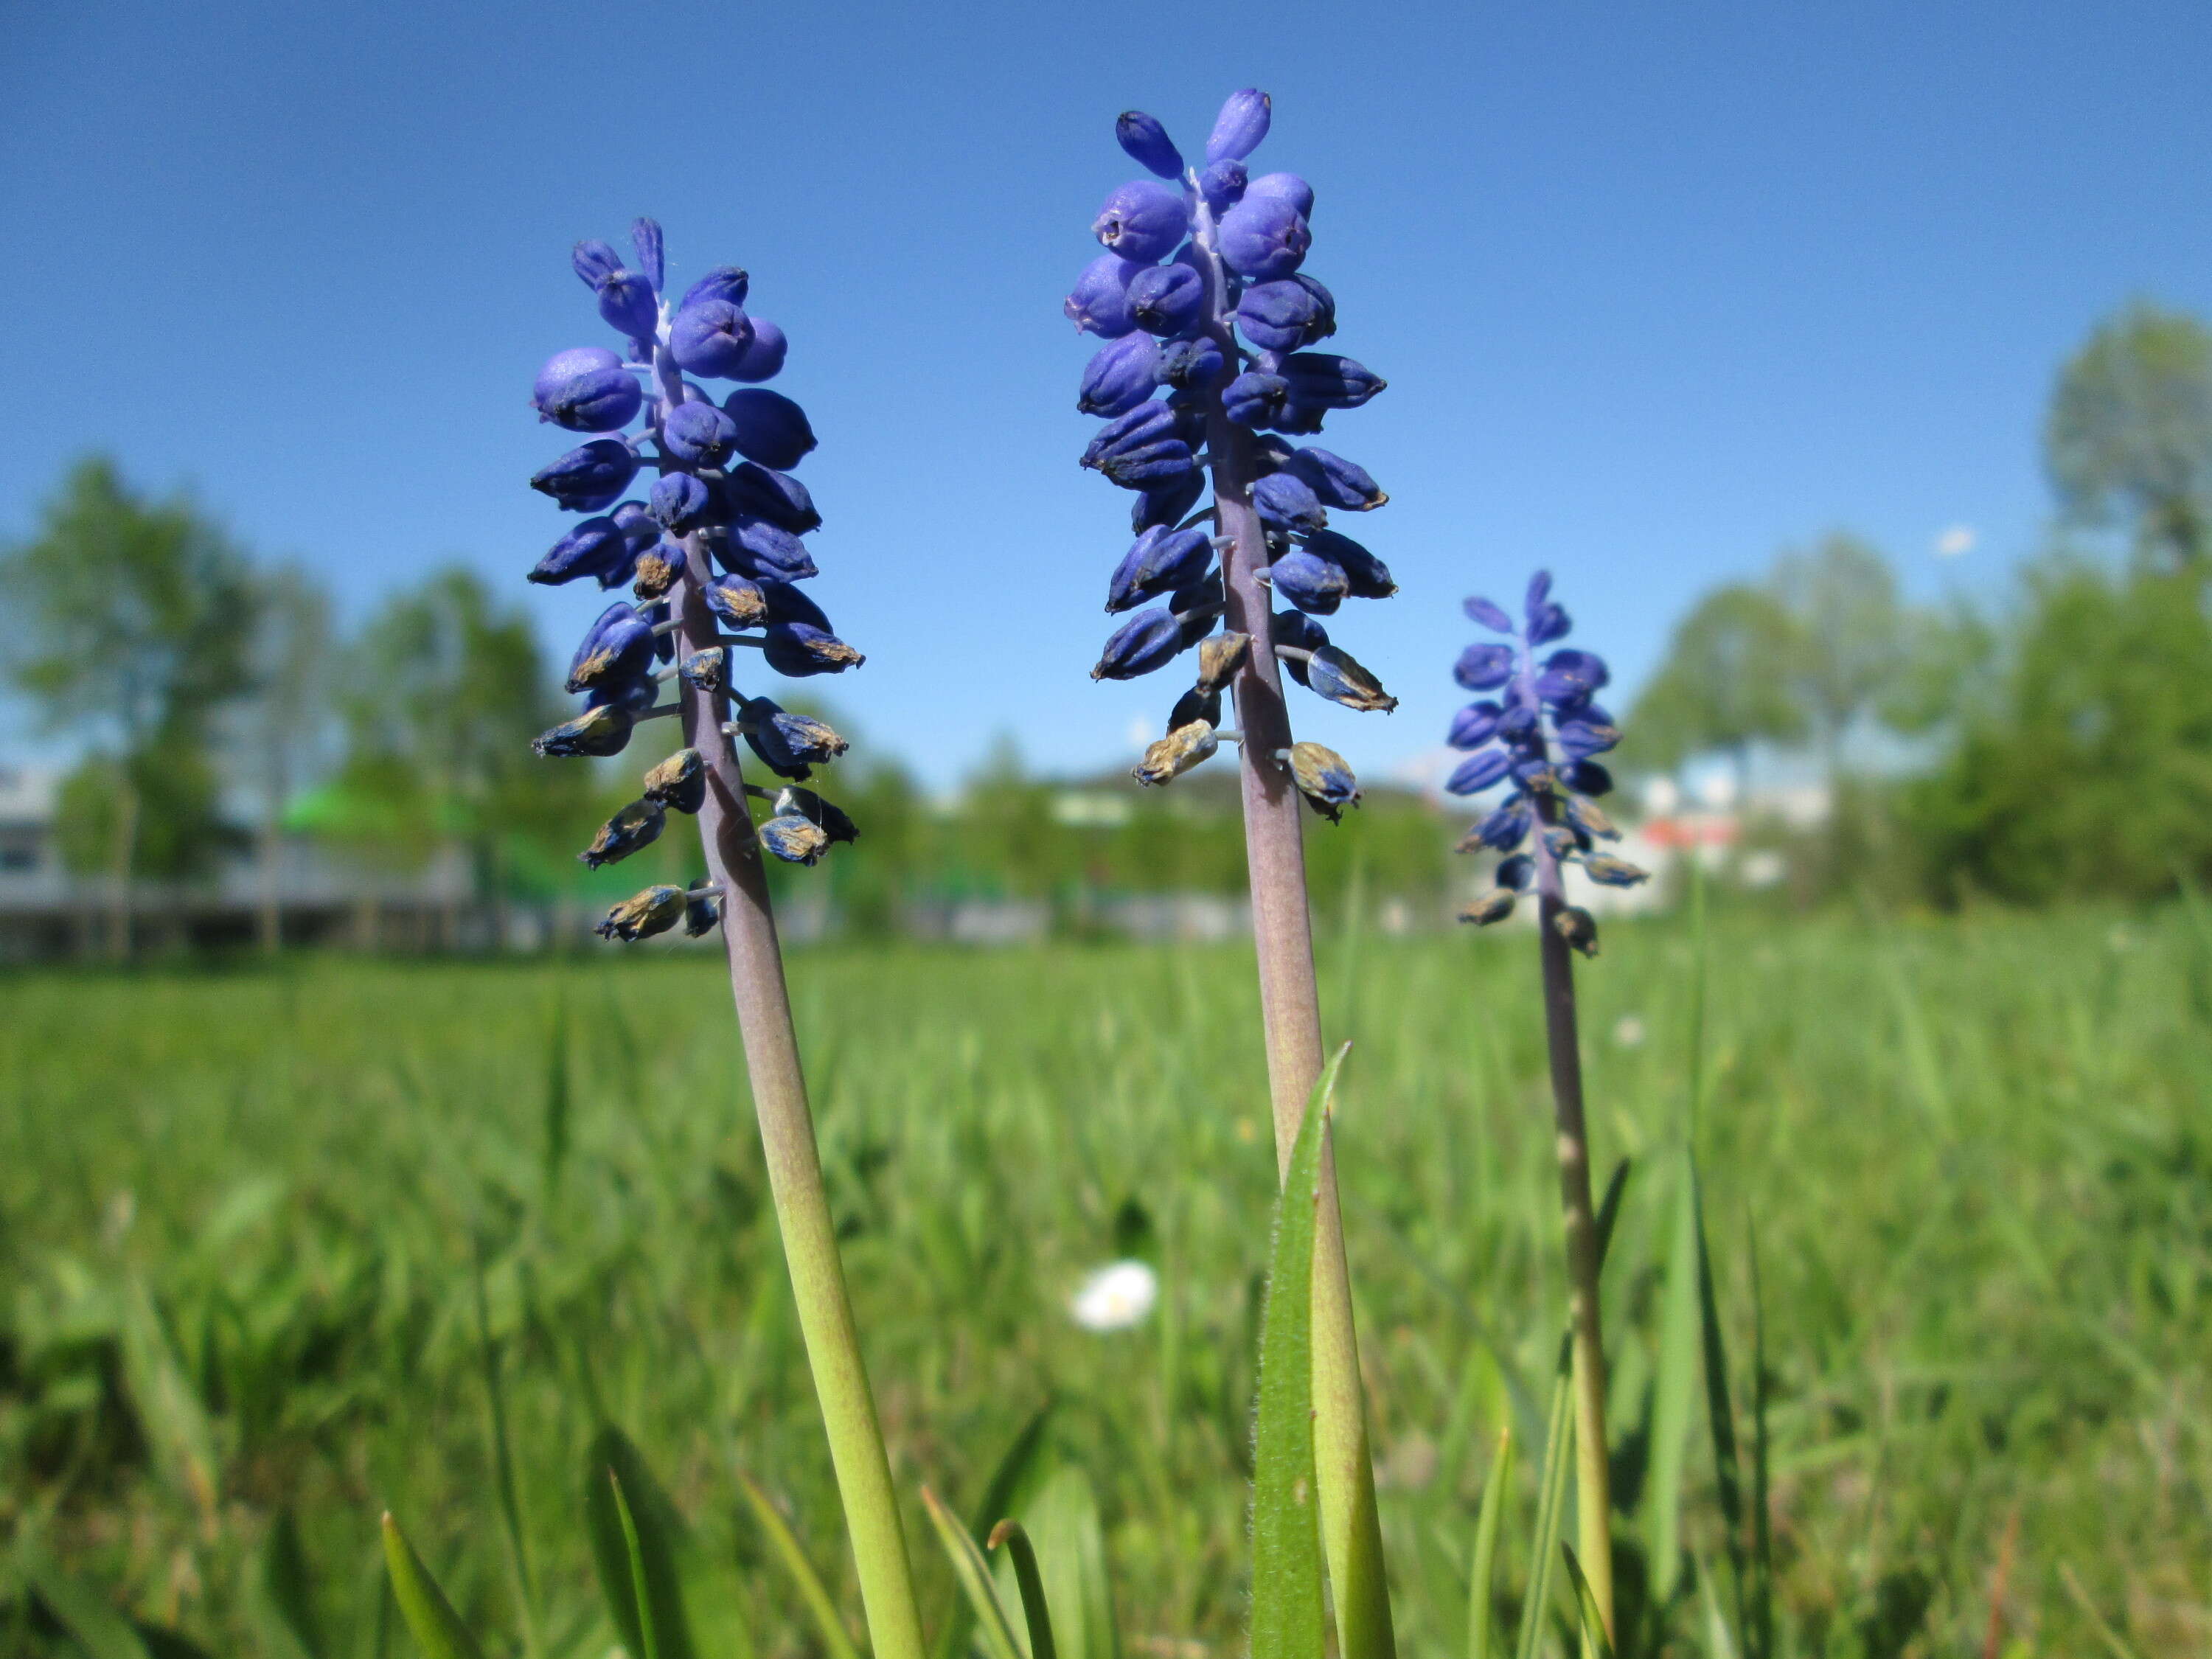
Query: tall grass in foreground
<point x="242" y="1218"/>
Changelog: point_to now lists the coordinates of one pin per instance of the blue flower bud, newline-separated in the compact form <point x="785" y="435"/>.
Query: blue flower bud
<point x="701" y="912"/>
<point x="1571" y="675"/>
<point x="1140" y="463"/>
<point x="641" y="915"/>
<point x="1479" y="771"/>
<point x="1366" y="577"/>
<point x="708" y="670"/>
<point x="617" y="646"/>
<point x="1538" y="594"/>
<point x="1263" y="237"/>
<point x="1167" y="300"/>
<point x="1548" y="622"/>
<point x="600" y="729"/>
<point x="1589" y="818"/>
<point x="633" y="695"/>
<point x="789" y="743"/>
<point x="710" y="338"/>
<point x="1192" y="365"/>
<point x="764" y="357"/>
<point x="636" y="521"/>
<point x="1484" y="667"/>
<point x="592" y="548"/>
<point x="787" y="604"/>
<point x="767" y="552"/>
<point x="1159" y="561"/>
<point x="738" y="602"/>
<point x="1288" y="188"/>
<point x="1490" y="615"/>
<point x="1324" y="381"/>
<point x="1256" y="399"/>
<point x="772" y="431"/>
<point x="1336" y="481"/>
<point x="1222" y="185"/>
<point x="586" y="390"/>
<point x="831" y="817"/>
<point x="645" y="237"/>
<point x="1168" y="504"/>
<point x="1241" y="125"/>
<point x="1119" y="376"/>
<point x="1312" y="583"/>
<point x="1324" y="780"/>
<point x="1473" y="725"/>
<point x="1579" y="739"/>
<point x="1300" y="633"/>
<point x="1288" y="503"/>
<point x="638" y="825"/>
<point x="725" y="282"/>
<point x="1492" y="906"/>
<point x="1576" y="926"/>
<point x="657" y="568"/>
<point x="1518" y="872"/>
<point x="1282" y="316"/>
<point x="628" y="304"/>
<point x="1587" y="777"/>
<point x="1142" y="220"/>
<point x="1148" y="144"/>
<point x="794" y="839"/>
<point x="1146" y="642"/>
<point x="776" y="496"/>
<point x="679" y="781"/>
<point x="699" y="434"/>
<point x="1502" y="828"/>
<point x="1099" y="303"/>
<point x="1335" y="674"/>
<point x="1218" y="659"/>
<point x="1609" y="871"/>
<point x="594" y="261"/>
<point x="679" y="501"/>
<point x="590" y="476"/>
<point x="1195" y="704"/>
<point x="798" y="649"/>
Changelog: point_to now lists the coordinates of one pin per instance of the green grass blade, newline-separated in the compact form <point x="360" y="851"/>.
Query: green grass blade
<point x="1063" y="1522"/>
<point x="2114" y="1642"/>
<point x="1289" y="1610"/>
<point x="999" y="1493"/>
<point x="1586" y="1605"/>
<point x="836" y="1641"/>
<point x="558" y="1099"/>
<point x="648" y="1639"/>
<point x="1482" y="1575"/>
<point x="974" y="1573"/>
<point x="168" y="1410"/>
<point x="1720" y="1421"/>
<point x="502" y="1463"/>
<point x="1038" y="1617"/>
<point x="622" y="1497"/>
<point x="1550" y="1499"/>
<point x="437" y="1629"/>
<point x="1760" y="1640"/>
<point x="285" y="1588"/>
<point x="98" y="1627"/>
<point x="1719" y="1643"/>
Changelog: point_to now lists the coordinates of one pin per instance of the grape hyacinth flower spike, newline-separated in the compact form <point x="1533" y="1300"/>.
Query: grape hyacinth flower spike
<point x="1206" y="371"/>
<point x="712" y="556"/>
<point x="1537" y="730"/>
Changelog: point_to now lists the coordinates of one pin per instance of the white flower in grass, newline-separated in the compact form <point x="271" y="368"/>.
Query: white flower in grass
<point x="1628" y="1032"/>
<point x="1116" y="1297"/>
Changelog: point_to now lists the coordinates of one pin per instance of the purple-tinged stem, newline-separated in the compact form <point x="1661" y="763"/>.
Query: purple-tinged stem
<point x="735" y="862"/>
<point x="1593" y="1471"/>
<point x="1290" y="1004"/>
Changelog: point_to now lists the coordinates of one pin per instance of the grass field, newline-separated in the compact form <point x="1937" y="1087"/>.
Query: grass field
<point x="248" y="1214"/>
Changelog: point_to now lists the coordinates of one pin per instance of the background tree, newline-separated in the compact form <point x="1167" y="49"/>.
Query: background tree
<point x="1848" y="636"/>
<point x="130" y="620"/>
<point x="2128" y="440"/>
<point x="285" y="721"/>
<point x="1724" y="684"/>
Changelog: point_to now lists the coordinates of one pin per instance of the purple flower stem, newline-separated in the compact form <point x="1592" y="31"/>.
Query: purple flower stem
<point x="1593" y="1471"/>
<point x="1290" y="1002"/>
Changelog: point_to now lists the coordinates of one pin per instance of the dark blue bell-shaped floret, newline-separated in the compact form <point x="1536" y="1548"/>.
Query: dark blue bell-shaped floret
<point x="726" y="283"/>
<point x="1287" y="504"/>
<point x="1473" y="725"/>
<point x="1159" y="561"/>
<point x="592" y="548"/>
<point x="628" y="304"/>
<point x="617" y="646"/>
<point x="1571" y="675"/>
<point x="1505" y="826"/>
<point x="679" y="781"/>
<point x="1240" y="126"/>
<point x="789" y="604"/>
<point x="1335" y="674"/>
<point x="776" y="496"/>
<point x="1366" y="577"/>
<point x="1479" y="771"/>
<point x="590" y="477"/>
<point x="637" y="825"/>
<point x="1589" y="732"/>
<point x="1142" y="220"/>
<point x="1099" y="303"/>
<point x="763" y="358"/>
<point x="1484" y="667"/>
<point x="601" y="730"/>
<point x="1337" y="482"/>
<point x="586" y="390"/>
<point x="1192" y="365"/>
<point x="771" y="430"/>
<point x="797" y="650"/>
<point x="1123" y="374"/>
<point x="1167" y="505"/>
<point x="1256" y="399"/>
<point x="1304" y="578"/>
<point x="1147" y="641"/>
<point x="1222" y="185"/>
<point x="1148" y="144"/>
<point x="710" y="338"/>
<point x="736" y="601"/>
<point x="1285" y="187"/>
<point x="1283" y="316"/>
<point x="1322" y="379"/>
<point x="1490" y="615"/>
<point x="1264" y="239"/>
<point x="766" y="551"/>
<point x="699" y="434"/>
<point x="1167" y="300"/>
<point x="593" y="262"/>
<point x="680" y="501"/>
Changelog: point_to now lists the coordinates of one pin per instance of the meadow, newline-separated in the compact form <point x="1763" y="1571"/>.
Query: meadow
<point x="286" y="1246"/>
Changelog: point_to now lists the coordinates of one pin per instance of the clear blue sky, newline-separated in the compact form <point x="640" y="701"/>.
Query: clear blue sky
<point x="1657" y="288"/>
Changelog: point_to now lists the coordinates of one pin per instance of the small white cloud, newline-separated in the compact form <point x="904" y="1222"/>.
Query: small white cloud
<point x="1116" y="1297"/>
<point x="1957" y="541"/>
<point x="1140" y="732"/>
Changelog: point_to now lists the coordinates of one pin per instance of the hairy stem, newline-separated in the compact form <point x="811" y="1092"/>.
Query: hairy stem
<point x="794" y="1166"/>
<point x="1290" y="1008"/>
